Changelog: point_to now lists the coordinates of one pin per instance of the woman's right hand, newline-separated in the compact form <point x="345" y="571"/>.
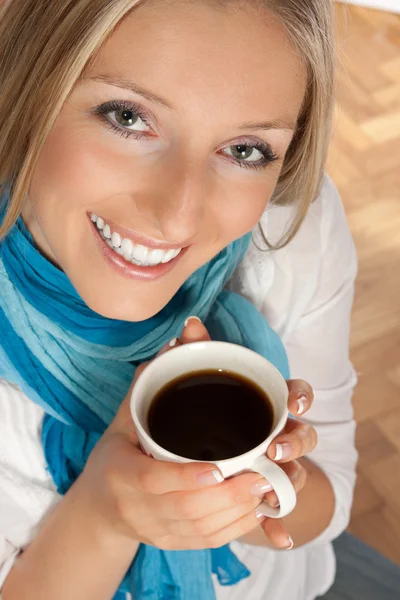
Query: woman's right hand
<point x="168" y="505"/>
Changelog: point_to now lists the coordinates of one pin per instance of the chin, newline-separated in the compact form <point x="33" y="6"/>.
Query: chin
<point x="133" y="312"/>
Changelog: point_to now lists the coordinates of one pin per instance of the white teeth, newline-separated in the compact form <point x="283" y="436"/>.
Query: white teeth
<point x="127" y="248"/>
<point x="169" y="255"/>
<point x="155" y="257"/>
<point x="140" y="253"/>
<point x="116" y="240"/>
<point x="117" y="250"/>
<point x="136" y="254"/>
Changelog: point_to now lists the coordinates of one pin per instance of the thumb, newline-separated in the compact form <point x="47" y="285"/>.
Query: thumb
<point x="194" y="331"/>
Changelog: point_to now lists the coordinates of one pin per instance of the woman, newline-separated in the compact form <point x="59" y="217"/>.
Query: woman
<point x="143" y="142"/>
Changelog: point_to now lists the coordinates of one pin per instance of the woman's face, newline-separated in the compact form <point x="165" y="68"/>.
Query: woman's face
<point x="174" y="138"/>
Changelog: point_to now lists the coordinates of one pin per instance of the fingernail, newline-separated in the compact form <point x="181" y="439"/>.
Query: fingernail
<point x="290" y="542"/>
<point x="260" y="488"/>
<point x="194" y="318"/>
<point x="260" y="516"/>
<point x="283" y="451"/>
<point x="210" y="477"/>
<point x="301" y="404"/>
<point x="173" y="342"/>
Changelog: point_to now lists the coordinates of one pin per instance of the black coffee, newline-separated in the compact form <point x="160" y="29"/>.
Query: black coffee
<point x="210" y="415"/>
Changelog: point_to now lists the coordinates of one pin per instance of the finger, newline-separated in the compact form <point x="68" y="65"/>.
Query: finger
<point x="213" y="523"/>
<point x="297" y="475"/>
<point x="277" y="534"/>
<point x="161" y="477"/>
<point x="297" y="440"/>
<point x="174" y="343"/>
<point x="301" y="396"/>
<point x="194" y="331"/>
<point x="235" y="530"/>
<point x="210" y="501"/>
<point x="224" y="536"/>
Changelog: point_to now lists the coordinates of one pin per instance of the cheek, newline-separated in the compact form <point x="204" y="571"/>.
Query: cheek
<point x="75" y="168"/>
<point x="244" y="209"/>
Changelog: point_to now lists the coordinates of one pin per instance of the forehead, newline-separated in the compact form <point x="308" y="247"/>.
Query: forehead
<point x="230" y="58"/>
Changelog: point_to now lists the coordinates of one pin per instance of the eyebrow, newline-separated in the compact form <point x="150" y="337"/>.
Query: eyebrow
<point x="282" y="124"/>
<point x="121" y="82"/>
<point x="125" y="84"/>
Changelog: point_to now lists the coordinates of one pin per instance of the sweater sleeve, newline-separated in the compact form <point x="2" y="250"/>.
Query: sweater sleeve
<point x="318" y="351"/>
<point x="26" y="488"/>
<point x="8" y="554"/>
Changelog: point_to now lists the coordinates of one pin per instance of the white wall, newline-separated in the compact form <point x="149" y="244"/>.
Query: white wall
<point x="390" y="5"/>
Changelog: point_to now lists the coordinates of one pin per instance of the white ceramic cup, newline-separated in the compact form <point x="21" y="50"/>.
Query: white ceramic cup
<point x="201" y="356"/>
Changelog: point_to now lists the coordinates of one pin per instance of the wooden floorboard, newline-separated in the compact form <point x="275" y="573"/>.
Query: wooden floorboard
<point x="365" y="164"/>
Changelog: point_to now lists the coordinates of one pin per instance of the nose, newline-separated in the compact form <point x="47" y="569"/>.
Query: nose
<point x="175" y="201"/>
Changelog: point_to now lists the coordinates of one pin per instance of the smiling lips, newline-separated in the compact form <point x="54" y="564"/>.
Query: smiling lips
<point x="136" y="254"/>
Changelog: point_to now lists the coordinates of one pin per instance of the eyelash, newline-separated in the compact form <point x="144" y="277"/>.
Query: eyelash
<point x="115" y="105"/>
<point x="265" y="149"/>
<point x="103" y="110"/>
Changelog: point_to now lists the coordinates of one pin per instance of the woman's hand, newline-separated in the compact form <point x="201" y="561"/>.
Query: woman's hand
<point x="168" y="505"/>
<point x="296" y="440"/>
<point x="187" y="506"/>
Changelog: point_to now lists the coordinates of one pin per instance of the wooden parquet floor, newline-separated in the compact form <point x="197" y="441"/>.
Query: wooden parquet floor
<point x="365" y="164"/>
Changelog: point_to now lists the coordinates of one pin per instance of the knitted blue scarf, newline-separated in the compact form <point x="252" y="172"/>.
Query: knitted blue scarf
<point x="78" y="365"/>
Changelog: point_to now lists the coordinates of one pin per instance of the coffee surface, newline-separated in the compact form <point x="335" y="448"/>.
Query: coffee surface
<point x="210" y="415"/>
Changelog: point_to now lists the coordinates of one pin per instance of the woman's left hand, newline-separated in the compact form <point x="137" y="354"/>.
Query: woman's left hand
<point x="295" y="441"/>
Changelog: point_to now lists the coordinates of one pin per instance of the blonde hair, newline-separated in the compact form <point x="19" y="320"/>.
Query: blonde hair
<point x="45" y="45"/>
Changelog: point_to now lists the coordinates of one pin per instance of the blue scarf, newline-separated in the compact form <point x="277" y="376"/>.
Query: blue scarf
<point x="78" y="365"/>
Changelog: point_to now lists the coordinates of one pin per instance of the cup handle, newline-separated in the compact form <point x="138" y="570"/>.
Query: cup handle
<point x="282" y="485"/>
